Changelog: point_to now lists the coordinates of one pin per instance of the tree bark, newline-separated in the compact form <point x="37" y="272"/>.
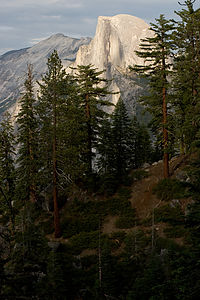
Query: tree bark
<point x="89" y="146"/>
<point x="165" y="136"/>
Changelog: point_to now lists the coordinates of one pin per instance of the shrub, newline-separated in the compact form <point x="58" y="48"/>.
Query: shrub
<point x="117" y="206"/>
<point x="108" y="184"/>
<point x="139" y="174"/>
<point x="135" y="242"/>
<point x="76" y="225"/>
<point x="124" y="193"/>
<point x="175" y="231"/>
<point x="118" y="235"/>
<point x="170" y="245"/>
<point x="168" y="214"/>
<point x="126" y="220"/>
<point x="85" y="240"/>
<point x="168" y="189"/>
<point x="89" y="240"/>
<point x="47" y="226"/>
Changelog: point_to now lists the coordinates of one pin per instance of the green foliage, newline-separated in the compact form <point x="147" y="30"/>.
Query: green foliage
<point x="168" y="189"/>
<point x="108" y="184"/>
<point x="139" y="174"/>
<point x="194" y="175"/>
<point x="168" y="214"/>
<point x="151" y="284"/>
<point x="192" y="224"/>
<point x="75" y="225"/>
<point x="92" y="92"/>
<point x="117" y="206"/>
<point x="46" y="227"/>
<point x="157" y="51"/>
<point x="175" y="231"/>
<point x="135" y="243"/>
<point x="113" y="206"/>
<point x="124" y="144"/>
<point x="124" y="193"/>
<point x="186" y="81"/>
<point x="127" y="216"/>
<point x="87" y="240"/>
<point x="169" y="244"/>
<point x="126" y="221"/>
<point x="118" y="236"/>
<point x="26" y="261"/>
<point x="7" y="169"/>
<point x="27" y="138"/>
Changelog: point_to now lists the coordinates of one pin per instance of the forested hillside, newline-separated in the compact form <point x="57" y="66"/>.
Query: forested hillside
<point x="93" y="204"/>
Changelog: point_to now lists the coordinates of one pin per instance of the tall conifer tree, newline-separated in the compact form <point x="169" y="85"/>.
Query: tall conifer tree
<point x="7" y="169"/>
<point x="156" y="52"/>
<point x="28" y="164"/>
<point x="121" y="142"/>
<point x="186" y="77"/>
<point x="60" y="131"/>
<point x="93" y="89"/>
<point x="49" y="109"/>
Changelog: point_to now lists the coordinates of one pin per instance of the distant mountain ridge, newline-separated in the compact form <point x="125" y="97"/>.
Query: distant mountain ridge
<point x="13" y="64"/>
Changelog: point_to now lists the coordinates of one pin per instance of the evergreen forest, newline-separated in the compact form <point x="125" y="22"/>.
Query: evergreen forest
<point x="95" y="204"/>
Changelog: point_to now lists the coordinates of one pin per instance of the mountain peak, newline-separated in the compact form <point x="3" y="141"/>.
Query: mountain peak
<point x="58" y="36"/>
<point x="113" y="49"/>
<point x="116" y="39"/>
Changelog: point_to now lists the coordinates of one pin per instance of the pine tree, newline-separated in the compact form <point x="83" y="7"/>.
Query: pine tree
<point x="105" y="148"/>
<point x="141" y="144"/>
<point x="7" y="169"/>
<point x="93" y="90"/>
<point x="28" y="142"/>
<point x="121" y="142"/>
<point x="124" y="144"/>
<point x="186" y="77"/>
<point x="156" y="51"/>
<point x="26" y="264"/>
<point x="72" y="134"/>
<point x="50" y="108"/>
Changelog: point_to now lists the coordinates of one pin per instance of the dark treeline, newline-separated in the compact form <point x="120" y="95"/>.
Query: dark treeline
<point x="69" y="164"/>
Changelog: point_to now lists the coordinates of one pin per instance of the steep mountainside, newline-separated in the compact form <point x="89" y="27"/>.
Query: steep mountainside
<point x="113" y="49"/>
<point x="14" y="64"/>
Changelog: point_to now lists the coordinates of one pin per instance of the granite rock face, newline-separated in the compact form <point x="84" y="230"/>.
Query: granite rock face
<point x="13" y="65"/>
<point x="113" y="49"/>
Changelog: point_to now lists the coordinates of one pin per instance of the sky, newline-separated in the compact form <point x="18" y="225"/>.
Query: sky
<point x="26" y="22"/>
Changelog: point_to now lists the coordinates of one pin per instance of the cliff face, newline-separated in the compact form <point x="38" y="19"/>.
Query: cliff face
<point x="113" y="49"/>
<point x="114" y="43"/>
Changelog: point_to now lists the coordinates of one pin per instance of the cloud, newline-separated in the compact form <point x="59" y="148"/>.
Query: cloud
<point x="6" y="28"/>
<point x="90" y="21"/>
<point x="18" y="3"/>
<point x="51" y="17"/>
<point x="25" y="22"/>
<point x="13" y="4"/>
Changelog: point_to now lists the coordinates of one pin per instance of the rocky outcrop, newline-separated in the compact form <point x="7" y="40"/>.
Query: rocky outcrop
<point x="113" y="49"/>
